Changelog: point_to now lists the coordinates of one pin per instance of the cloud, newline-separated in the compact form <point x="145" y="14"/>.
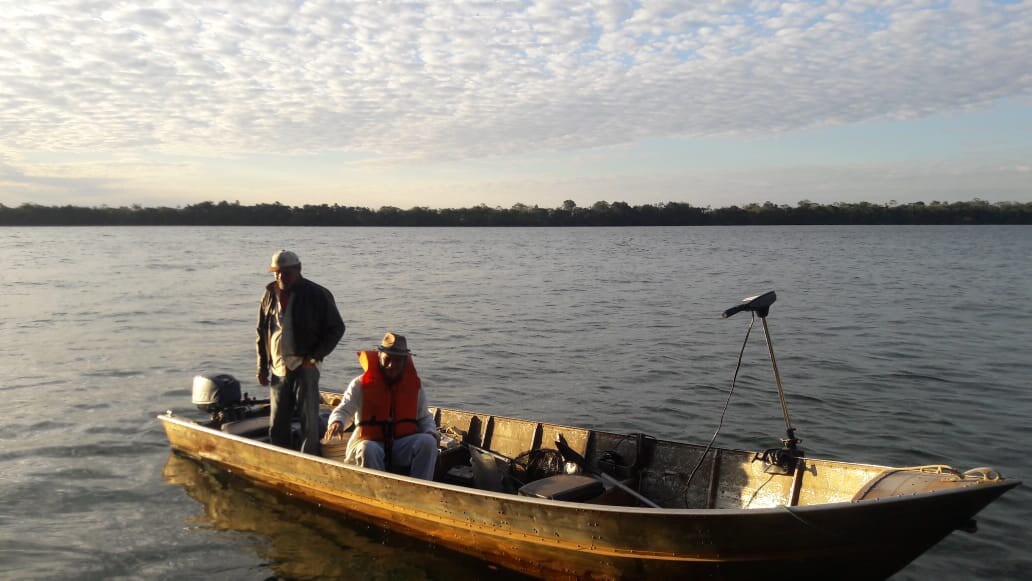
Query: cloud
<point x="51" y="186"/>
<point x="477" y="79"/>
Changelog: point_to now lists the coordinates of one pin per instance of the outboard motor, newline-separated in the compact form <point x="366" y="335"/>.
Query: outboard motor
<point x="213" y="392"/>
<point x="218" y="394"/>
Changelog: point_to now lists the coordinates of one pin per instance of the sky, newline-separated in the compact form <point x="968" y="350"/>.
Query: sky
<point x="451" y="104"/>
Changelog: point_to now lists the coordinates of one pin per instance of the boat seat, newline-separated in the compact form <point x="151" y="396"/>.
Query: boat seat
<point x="248" y="428"/>
<point x="257" y="428"/>
<point x="568" y="487"/>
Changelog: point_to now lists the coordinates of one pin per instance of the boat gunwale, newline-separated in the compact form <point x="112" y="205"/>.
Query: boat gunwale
<point x="644" y="511"/>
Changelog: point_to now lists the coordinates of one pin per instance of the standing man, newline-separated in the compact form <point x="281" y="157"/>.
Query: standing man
<point x="298" y="325"/>
<point x="393" y="424"/>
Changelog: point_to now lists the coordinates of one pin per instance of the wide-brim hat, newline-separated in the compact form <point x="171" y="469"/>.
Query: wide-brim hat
<point x="283" y="259"/>
<point x="394" y="344"/>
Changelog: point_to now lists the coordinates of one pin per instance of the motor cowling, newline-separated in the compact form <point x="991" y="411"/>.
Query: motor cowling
<point x="215" y="391"/>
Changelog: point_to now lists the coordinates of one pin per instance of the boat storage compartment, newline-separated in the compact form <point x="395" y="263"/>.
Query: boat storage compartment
<point x="568" y="487"/>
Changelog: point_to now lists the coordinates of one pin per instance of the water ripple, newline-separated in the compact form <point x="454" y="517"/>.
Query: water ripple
<point x="899" y="345"/>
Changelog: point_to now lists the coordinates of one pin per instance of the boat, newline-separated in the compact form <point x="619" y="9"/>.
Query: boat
<point x="571" y="502"/>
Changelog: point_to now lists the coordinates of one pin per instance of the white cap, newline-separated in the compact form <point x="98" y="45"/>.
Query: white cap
<point x="283" y="259"/>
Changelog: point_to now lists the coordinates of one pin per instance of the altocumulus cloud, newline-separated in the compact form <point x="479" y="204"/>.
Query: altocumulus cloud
<point x="464" y="79"/>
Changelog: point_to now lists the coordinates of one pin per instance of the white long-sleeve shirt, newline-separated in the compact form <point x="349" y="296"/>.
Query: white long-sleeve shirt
<point x="351" y="406"/>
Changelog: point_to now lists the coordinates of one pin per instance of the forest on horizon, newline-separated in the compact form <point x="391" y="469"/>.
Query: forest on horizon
<point x="600" y="213"/>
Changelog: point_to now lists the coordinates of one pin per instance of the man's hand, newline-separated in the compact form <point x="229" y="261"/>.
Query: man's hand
<point x="334" y="431"/>
<point x="263" y="378"/>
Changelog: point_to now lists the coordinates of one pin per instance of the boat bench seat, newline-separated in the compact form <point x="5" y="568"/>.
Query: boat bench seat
<point x="568" y="487"/>
<point x="248" y="428"/>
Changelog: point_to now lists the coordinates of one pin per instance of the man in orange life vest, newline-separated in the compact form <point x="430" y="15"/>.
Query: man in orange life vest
<point x="393" y="427"/>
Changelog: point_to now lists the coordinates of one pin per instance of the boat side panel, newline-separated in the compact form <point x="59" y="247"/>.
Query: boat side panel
<point x="577" y="438"/>
<point x="510" y="437"/>
<point x="825" y="482"/>
<point x="737" y="480"/>
<point x="473" y="426"/>
<point x="725" y="479"/>
<point x="744" y="483"/>
<point x="665" y="478"/>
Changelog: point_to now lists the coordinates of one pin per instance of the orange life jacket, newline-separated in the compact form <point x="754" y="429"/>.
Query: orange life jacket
<point x="389" y="411"/>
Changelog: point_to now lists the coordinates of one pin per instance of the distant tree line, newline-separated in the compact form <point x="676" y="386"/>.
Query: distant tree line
<point x="568" y="214"/>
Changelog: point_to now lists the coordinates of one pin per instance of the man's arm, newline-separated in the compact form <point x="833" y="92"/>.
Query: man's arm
<point x="349" y="405"/>
<point x="261" y="347"/>
<point x="332" y="328"/>
<point x="425" y="422"/>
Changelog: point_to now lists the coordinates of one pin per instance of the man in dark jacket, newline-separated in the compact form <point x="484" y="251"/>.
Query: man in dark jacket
<point x="298" y="325"/>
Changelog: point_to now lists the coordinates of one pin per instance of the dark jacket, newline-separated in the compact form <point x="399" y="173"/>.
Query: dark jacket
<point x="317" y="323"/>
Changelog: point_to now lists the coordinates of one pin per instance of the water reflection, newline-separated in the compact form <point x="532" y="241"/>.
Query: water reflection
<point x="301" y="541"/>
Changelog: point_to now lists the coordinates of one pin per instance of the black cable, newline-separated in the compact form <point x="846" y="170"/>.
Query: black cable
<point x="721" y="423"/>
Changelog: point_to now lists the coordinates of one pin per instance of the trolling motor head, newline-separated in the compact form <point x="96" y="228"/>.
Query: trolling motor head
<point x="760" y="304"/>
<point x="783" y="460"/>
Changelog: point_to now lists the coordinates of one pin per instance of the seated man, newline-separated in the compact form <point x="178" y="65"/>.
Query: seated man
<point x="393" y="425"/>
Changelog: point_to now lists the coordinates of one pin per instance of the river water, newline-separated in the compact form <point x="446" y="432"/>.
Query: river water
<point x="896" y="345"/>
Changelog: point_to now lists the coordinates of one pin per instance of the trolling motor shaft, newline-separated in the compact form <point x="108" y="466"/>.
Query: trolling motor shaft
<point x="791" y="440"/>
<point x="759" y="305"/>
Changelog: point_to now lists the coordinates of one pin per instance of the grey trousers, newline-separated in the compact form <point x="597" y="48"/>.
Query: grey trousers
<point x="418" y="452"/>
<point x="297" y="391"/>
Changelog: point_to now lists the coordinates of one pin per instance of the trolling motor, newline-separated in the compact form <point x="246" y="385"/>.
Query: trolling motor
<point x="778" y="460"/>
